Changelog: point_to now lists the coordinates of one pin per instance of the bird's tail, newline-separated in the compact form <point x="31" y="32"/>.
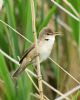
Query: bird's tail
<point x="17" y="72"/>
<point x="20" y="69"/>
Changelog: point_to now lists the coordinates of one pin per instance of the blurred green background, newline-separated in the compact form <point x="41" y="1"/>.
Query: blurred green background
<point x="66" y="51"/>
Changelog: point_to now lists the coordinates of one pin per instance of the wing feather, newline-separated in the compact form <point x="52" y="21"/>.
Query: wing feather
<point x="26" y="52"/>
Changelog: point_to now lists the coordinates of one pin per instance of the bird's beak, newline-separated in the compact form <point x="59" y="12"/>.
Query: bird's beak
<point x="58" y="34"/>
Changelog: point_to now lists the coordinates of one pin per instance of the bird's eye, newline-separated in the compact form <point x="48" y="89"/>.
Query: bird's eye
<point x="48" y="34"/>
<point x="46" y="39"/>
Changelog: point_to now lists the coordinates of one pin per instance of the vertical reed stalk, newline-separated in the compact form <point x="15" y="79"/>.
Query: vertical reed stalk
<point x="37" y="59"/>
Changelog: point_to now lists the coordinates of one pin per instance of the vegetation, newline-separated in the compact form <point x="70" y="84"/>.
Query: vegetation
<point x="66" y="51"/>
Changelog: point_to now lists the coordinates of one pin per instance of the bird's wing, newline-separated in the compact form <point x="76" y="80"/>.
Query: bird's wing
<point x="26" y="52"/>
<point x="26" y="60"/>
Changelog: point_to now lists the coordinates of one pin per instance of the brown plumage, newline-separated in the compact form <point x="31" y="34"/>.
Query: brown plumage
<point x="25" y="60"/>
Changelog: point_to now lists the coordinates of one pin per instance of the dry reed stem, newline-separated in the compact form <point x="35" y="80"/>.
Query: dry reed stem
<point x="27" y="70"/>
<point x="69" y="92"/>
<point x="38" y="96"/>
<point x="71" y="6"/>
<point x="64" y="25"/>
<point x="36" y="46"/>
<point x="33" y="82"/>
<point x="65" y="71"/>
<point x="35" y="96"/>
<point x="66" y="11"/>
<point x="45" y="98"/>
<point x="16" y="31"/>
<point x="52" y="88"/>
<point x="31" y="43"/>
<point x="16" y="62"/>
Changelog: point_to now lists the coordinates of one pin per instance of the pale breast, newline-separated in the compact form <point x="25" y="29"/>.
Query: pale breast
<point x="44" y="51"/>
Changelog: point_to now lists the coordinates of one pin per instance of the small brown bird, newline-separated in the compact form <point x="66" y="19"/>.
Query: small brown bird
<point x="45" y="43"/>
